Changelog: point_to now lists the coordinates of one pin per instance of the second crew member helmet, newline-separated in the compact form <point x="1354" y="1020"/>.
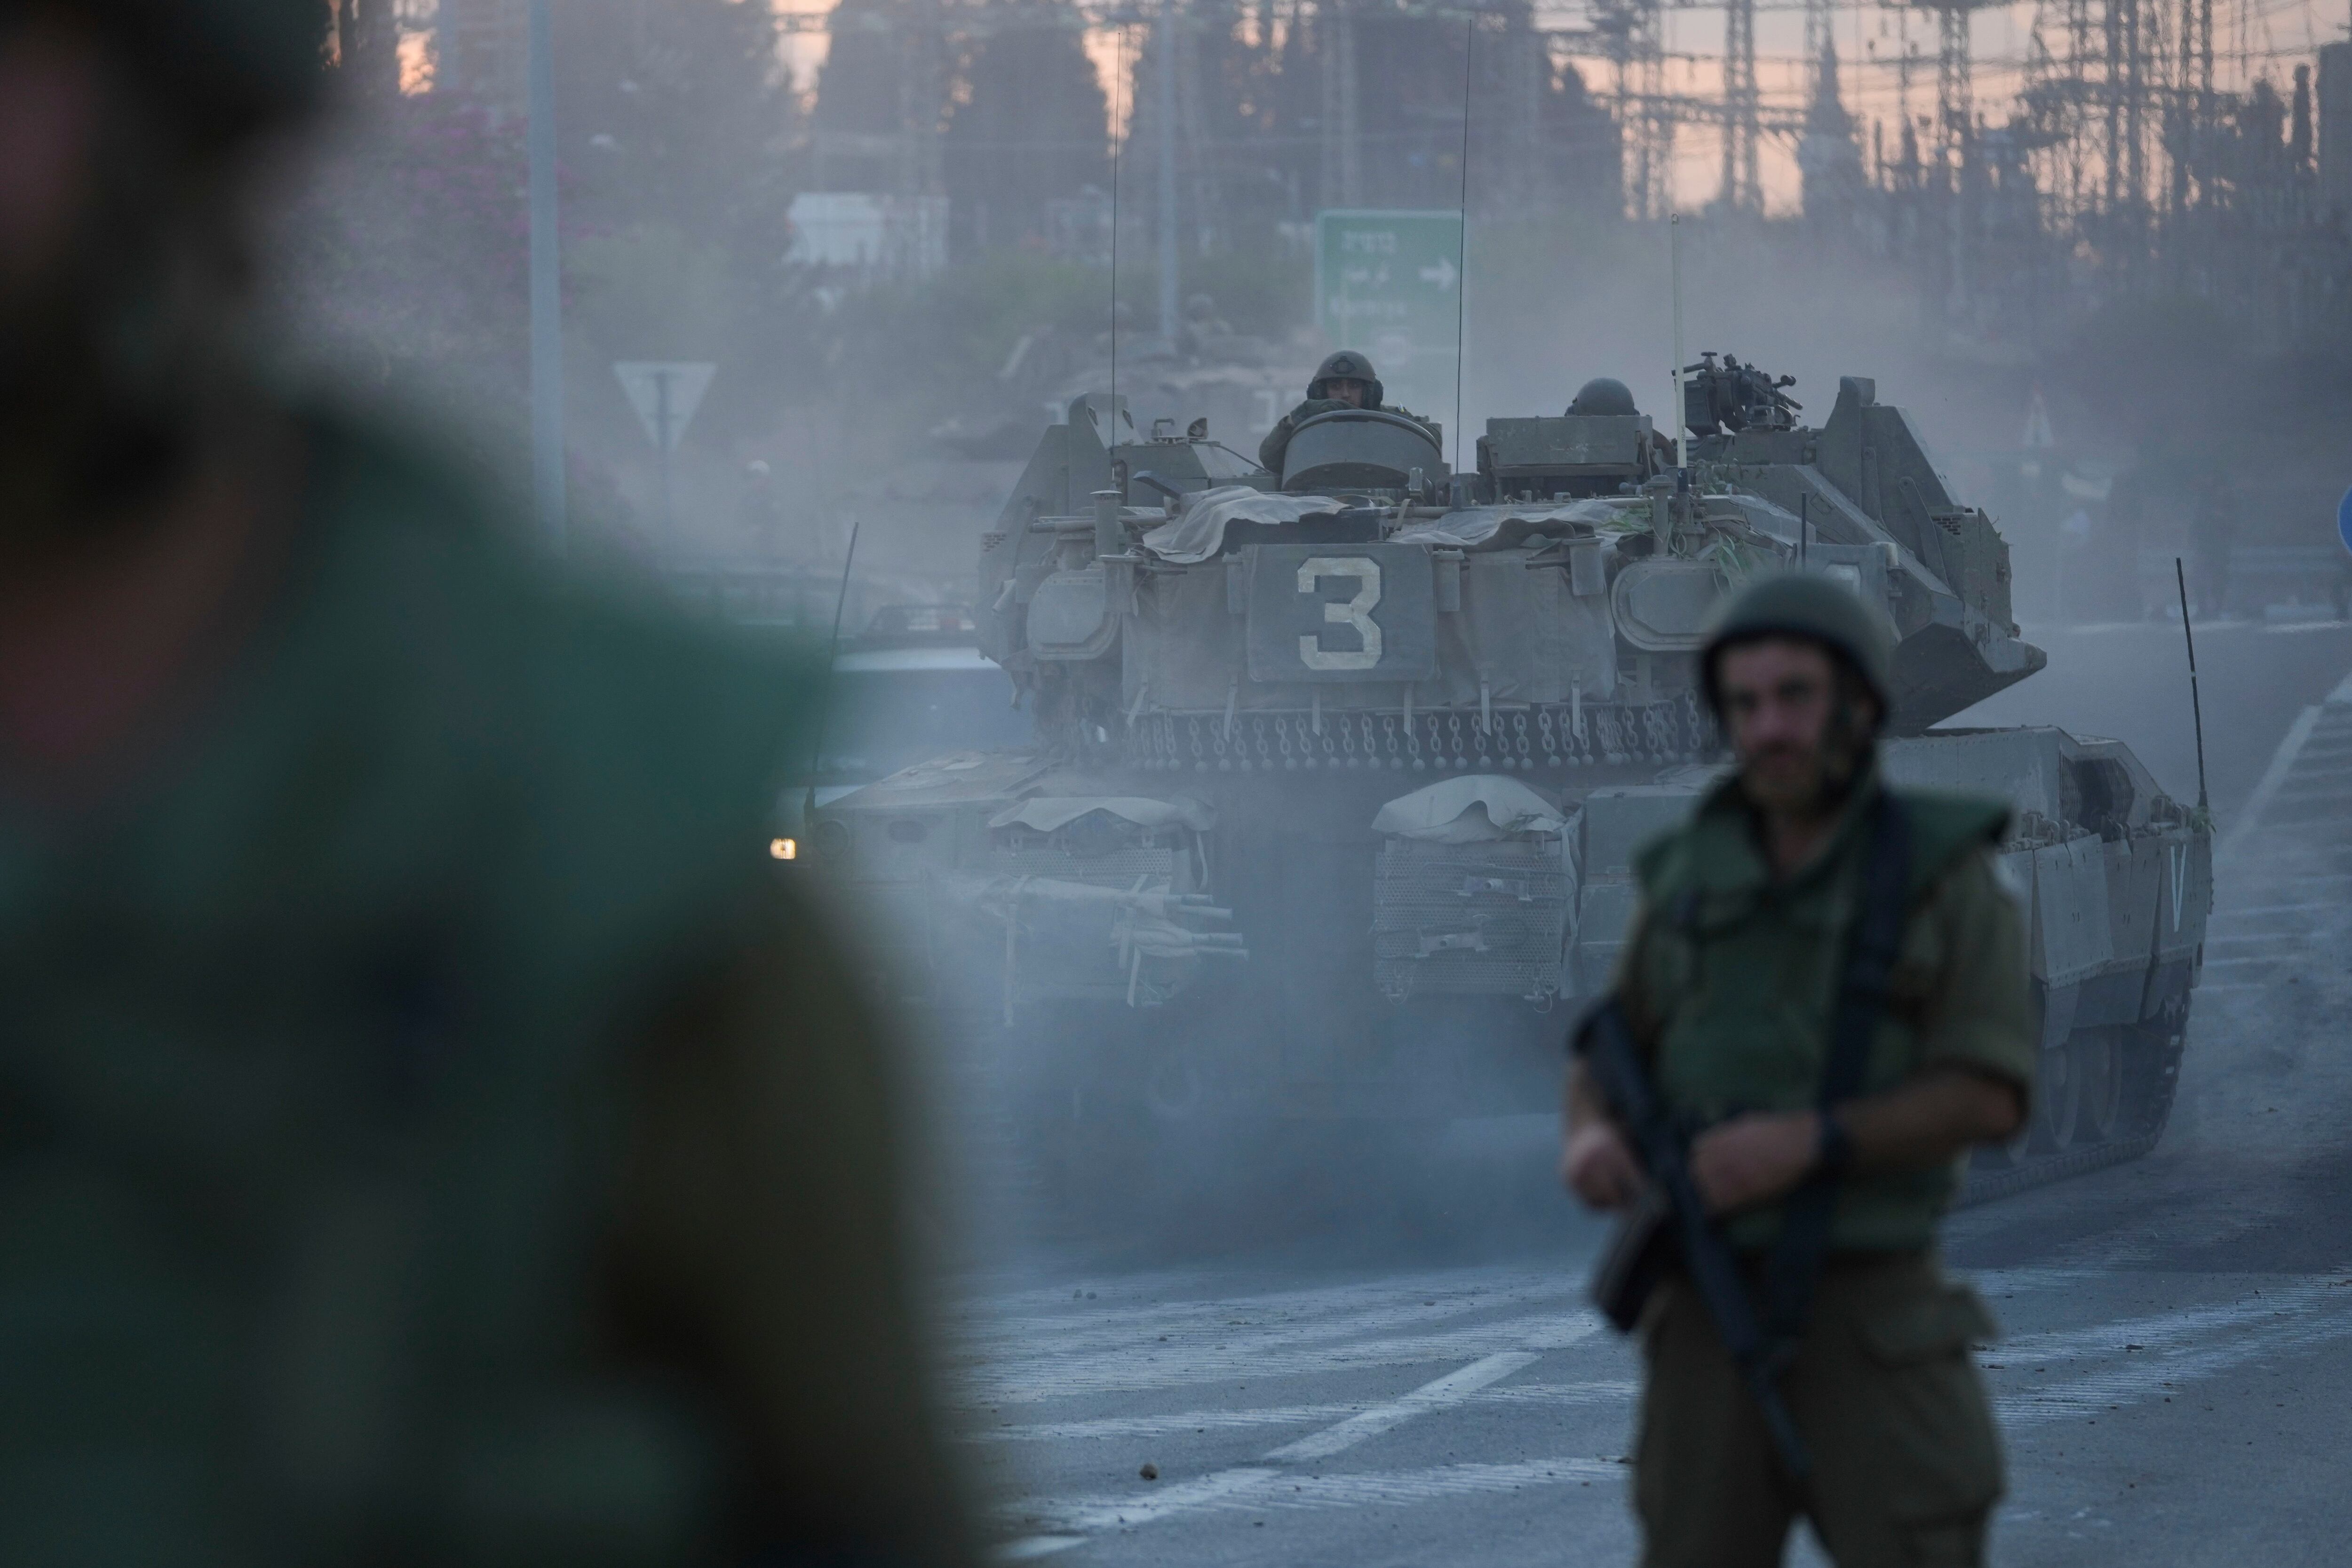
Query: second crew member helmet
<point x="1603" y="394"/>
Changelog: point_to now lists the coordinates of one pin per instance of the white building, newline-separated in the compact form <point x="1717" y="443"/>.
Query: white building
<point x="869" y="236"/>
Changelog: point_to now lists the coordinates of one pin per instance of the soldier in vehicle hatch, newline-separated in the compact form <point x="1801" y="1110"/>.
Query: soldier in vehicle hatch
<point x="1603" y="394"/>
<point x="1743" y="983"/>
<point x="435" y="1132"/>
<point x="1344" y="380"/>
<point x="1607" y="397"/>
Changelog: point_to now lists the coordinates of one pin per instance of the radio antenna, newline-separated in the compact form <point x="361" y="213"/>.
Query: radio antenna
<point x="1462" y="236"/>
<point x="2196" y="708"/>
<point x="832" y="652"/>
<point x="1674" y="272"/>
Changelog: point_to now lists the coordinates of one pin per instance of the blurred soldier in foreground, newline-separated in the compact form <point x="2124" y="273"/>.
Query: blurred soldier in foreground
<point x="432" y="1134"/>
<point x="1738" y="982"/>
<point x="1344" y="380"/>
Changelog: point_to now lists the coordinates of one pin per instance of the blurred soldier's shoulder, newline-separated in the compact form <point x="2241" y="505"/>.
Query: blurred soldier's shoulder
<point x="583" y="696"/>
<point x="438" y="750"/>
<point x="1947" y="828"/>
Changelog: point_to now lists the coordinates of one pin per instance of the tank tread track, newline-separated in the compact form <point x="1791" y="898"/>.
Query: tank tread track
<point x="2149" y="1094"/>
<point x="1985" y="1184"/>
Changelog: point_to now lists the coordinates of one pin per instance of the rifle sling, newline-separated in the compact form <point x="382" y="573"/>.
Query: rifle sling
<point x="1794" y="1266"/>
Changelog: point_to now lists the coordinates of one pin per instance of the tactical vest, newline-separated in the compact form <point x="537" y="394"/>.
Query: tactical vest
<point x="1742" y="971"/>
<point x="307" y="1091"/>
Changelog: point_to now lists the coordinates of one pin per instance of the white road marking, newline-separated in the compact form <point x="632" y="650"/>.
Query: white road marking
<point x="2284" y="908"/>
<point x="1598" y="1390"/>
<point x="2308" y="785"/>
<point x="2166" y="628"/>
<point x="2166" y="1350"/>
<point x="2325" y="1292"/>
<point x="1171" y="1424"/>
<point x="1436" y="1394"/>
<point x="1241" y="1359"/>
<point x="2172" y="1349"/>
<point x="1029" y="1548"/>
<point x="2113" y="1362"/>
<point x="1071" y="1520"/>
<point x="1374" y="1489"/>
<point x="1595" y="1390"/>
<point x="1271" y="1491"/>
<point x="2274" y="775"/>
<point x="1284" y="1317"/>
<point x="1176" y="1497"/>
<point x="2337" y="881"/>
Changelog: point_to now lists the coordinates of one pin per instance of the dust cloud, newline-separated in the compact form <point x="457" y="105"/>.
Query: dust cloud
<point x="897" y="300"/>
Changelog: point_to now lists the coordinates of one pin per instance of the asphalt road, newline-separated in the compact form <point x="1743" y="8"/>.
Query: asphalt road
<point x="1383" y="1387"/>
<point x="2129" y="680"/>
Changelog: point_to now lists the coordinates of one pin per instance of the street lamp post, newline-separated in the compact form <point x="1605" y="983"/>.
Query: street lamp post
<point x="1164" y="82"/>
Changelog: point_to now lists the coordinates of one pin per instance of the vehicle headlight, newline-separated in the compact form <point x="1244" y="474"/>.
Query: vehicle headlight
<point x="783" y="848"/>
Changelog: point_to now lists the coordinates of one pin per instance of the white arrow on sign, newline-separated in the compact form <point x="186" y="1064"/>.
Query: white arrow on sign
<point x="665" y="393"/>
<point x="1443" y="274"/>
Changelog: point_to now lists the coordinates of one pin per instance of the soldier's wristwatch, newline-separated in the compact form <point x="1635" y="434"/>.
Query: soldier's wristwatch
<point x="1834" y="1147"/>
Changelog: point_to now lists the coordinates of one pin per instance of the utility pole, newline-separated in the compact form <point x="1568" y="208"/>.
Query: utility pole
<point x="1956" y="149"/>
<point x="546" y="288"/>
<point x="1955" y="102"/>
<point x="1336" y="42"/>
<point x="1742" y="184"/>
<point x="1163" y="74"/>
<point x="1817" y="35"/>
<point x="1904" y="63"/>
<point x="2111" y="21"/>
<point x="2134" y="102"/>
<point x="1954" y="93"/>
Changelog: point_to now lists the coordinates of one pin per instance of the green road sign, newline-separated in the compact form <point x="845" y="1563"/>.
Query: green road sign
<point x="1390" y="284"/>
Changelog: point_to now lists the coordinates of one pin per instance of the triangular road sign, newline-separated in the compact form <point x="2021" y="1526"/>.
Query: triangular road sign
<point x="665" y="393"/>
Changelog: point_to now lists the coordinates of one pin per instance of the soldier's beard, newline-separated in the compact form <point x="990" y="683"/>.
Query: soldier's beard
<point x="111" y="359"/>
<point x="1809" y="782"/>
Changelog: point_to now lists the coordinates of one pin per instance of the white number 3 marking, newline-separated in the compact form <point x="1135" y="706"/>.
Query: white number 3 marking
<point x="1355" y="613"/>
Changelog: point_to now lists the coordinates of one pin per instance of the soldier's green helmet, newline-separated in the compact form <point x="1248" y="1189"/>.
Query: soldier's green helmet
<point x="1815" y="609"/>
<point x="1349" y="366"/>
<point x="224" y="68"/>
<point x="1603" y="394"/>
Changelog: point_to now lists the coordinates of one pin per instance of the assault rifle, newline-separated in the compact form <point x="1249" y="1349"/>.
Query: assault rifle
<point x="1672" y="1220"/>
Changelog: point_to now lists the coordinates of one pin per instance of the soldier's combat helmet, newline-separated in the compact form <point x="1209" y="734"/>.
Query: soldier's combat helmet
<point x="224" y="68"/>
<point x="1603" y="394"/>
<point x="1815" y="609"/>
<point x="1348" y="365"/>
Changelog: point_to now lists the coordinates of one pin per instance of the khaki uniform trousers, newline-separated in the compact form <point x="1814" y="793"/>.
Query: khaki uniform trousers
<point x="1906" y="1464"/>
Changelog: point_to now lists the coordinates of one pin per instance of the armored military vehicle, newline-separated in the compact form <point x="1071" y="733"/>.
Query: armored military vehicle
<point x="1339" y="773"/>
